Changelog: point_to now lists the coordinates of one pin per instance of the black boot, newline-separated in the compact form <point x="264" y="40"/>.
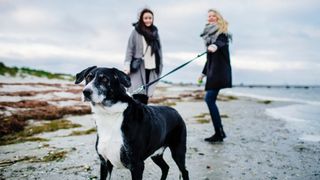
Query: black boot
<point x="223" y="135"/>
<point x="217" y="137"/>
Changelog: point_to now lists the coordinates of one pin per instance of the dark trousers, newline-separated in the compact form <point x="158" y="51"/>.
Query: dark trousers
<point x="211" y="98"/>
<point x="147" y="78"/>
<point x="147" y="75"/>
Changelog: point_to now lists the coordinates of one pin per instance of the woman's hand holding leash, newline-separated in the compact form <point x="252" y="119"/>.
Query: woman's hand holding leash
<point x="212" y="48"/>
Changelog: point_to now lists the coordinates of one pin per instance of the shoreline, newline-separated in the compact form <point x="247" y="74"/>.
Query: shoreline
<point x="257" y="146"/>
<point x="300" y="114"/>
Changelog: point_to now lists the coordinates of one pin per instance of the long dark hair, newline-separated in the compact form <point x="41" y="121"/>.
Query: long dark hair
<point x="150" y="34"/>
<point x="140" y="21"/>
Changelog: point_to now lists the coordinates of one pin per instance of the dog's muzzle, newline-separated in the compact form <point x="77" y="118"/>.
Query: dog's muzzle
<point x="87" y="94"/>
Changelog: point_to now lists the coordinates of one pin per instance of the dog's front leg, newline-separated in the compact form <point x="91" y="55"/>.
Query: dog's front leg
<point x="105" y="169"/>
<point x="137" y="171"/>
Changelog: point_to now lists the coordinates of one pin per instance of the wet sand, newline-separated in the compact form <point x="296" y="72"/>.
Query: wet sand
<point x="257" y="146"/>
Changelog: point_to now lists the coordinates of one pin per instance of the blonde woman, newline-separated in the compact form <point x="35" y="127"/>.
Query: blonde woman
<point x="217" y="69"/>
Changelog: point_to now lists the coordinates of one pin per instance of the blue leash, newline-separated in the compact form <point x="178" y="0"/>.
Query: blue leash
<point x="143" y="87"/>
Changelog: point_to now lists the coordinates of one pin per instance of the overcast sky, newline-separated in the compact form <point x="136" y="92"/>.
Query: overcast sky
<point x="274" y="41"/>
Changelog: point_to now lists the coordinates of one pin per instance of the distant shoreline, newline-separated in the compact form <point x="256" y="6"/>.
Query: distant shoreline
<point x="251" y="85"/>
<point x="23" y="72"/>
<point x="278" y="86"/>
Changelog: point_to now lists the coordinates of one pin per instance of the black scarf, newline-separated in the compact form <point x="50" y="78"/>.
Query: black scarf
<point x="150" y="34"/>
<point x="152" y="38"/>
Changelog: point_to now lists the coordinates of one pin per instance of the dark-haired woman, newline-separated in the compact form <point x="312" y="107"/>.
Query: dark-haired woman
<point x="144" y="42"/>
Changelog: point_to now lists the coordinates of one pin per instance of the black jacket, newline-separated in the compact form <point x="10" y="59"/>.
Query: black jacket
<point x="218" y="68"/>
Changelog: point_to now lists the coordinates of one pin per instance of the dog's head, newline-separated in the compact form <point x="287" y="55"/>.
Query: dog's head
<point x="103" y="85"/>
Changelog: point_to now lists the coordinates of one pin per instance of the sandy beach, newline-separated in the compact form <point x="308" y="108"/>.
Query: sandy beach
<point x="257" y="146"/>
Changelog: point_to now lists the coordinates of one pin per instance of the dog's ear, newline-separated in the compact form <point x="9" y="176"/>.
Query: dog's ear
<point x="123" y="78"/>
<point x="81" y="75"/>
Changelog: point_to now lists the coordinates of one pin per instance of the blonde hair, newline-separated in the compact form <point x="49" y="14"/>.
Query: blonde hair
<point x="221" y="23"/>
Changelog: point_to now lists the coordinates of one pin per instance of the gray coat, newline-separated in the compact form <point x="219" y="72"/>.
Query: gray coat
<point x="135" y="49"/>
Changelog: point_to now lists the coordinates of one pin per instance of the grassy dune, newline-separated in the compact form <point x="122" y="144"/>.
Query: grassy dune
<point x="24" y="71"/>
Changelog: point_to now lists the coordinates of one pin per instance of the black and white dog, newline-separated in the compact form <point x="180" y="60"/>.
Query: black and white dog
<point x="130" y="131"/>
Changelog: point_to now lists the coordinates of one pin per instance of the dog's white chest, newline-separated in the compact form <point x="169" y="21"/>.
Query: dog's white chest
<point x="108" y="121"/>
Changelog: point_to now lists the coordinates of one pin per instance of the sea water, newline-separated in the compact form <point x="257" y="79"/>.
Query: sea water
<point x="303" y="113"/>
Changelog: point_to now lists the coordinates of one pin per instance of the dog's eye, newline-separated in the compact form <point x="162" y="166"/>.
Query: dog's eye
<point x="89" y="78"/>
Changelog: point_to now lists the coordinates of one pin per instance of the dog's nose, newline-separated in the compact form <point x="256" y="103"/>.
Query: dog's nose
<point x="87" y="92"/>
